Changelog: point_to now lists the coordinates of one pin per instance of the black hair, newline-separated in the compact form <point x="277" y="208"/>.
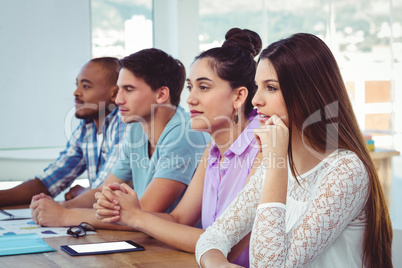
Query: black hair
<point x="110" y="66"/>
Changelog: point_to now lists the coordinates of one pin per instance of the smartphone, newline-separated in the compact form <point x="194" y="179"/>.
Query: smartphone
<point x="102" y="248"/>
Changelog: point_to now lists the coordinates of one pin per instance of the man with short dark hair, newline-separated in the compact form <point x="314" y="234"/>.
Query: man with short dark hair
<point x="92" y="146"/>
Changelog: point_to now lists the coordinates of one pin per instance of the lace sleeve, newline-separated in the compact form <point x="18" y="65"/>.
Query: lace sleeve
<point x="236" y="222"/>
<point x="337" y="199"/>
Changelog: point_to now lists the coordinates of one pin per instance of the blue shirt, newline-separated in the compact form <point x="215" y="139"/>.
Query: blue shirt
<point x="176" y="155"/>
<point x="81" y="154"/>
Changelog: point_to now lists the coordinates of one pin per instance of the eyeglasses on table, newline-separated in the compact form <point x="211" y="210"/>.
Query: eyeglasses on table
<point x="80" y="230"/>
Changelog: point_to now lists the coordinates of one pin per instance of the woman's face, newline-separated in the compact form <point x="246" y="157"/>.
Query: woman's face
<point x="211" y="100"/>
<point x="268" y="98"/>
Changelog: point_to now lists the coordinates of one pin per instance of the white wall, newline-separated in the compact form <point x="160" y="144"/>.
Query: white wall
<point x="176" y="30"/>
<point x="43" y="45"/>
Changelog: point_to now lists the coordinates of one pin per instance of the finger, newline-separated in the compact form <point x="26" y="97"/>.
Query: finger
<point x="282" y="117"/>
<point x="34" y="204"/>
<point x="97" y="206"/>
<point x="108" y="219"/>
<point x="258" y="142"/>
<point x="109" y="196"/>
<point x="99" y="195"/>
<point x="115" y="186"/>
<point x="42" y="195"/>
<point x="107" y="205"/>
<point x="105" y="187"/>
<point x="273" y="120"/>
<point x="36" y="197"/>
<point x="100" y="217"/>
<point x="111" y="219"/>
<point x="276" y="120"/>
<point x="48" y="197"/>
<point x="104" y="202"/>
<point x="280" y="122"/>
<point x="127" y="189"/>
<point x="35" y="216"/>
<point x="106" y="213"/>
<point x="259" y="133"/>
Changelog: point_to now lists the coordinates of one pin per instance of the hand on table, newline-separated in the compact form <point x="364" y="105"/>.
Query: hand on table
<point x="47" y="212"/>
<point x="117" y="203"/>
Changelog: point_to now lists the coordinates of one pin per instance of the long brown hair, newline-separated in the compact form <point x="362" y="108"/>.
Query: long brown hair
<point x="312" y="86"/>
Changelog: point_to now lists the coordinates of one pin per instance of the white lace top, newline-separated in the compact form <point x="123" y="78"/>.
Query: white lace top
<point x="321" y="225"/>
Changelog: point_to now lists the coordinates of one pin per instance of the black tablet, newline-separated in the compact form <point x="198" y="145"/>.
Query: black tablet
<point x="102" y="248"/>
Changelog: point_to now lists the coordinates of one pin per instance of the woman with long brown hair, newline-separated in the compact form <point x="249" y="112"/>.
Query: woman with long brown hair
<point x="316" y="199"/>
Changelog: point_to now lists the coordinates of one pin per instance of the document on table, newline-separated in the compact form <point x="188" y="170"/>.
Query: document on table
<point x="15" y="214"/>
<point x="27" y="226"/>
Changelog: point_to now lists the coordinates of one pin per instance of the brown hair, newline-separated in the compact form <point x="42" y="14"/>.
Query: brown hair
<point x="311" y="81"/>
<point x="158" y="69"/>
<point x="234" y="61"/>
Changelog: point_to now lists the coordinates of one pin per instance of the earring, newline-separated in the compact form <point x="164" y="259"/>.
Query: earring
<point x="236" y="117"/>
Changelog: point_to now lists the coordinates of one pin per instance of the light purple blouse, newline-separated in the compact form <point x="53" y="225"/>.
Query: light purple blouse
<point x="222" y="184"/>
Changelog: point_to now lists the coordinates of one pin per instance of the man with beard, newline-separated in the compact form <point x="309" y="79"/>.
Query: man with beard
<point x="93" y="146"/>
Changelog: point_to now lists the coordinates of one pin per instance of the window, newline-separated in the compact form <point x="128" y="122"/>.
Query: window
<point x="120" y="28"/>
<point x="364" y="35"/>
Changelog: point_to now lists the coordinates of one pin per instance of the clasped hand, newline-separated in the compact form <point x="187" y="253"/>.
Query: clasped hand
<point x="117" y="203"/>
<point x="47" y="212"/>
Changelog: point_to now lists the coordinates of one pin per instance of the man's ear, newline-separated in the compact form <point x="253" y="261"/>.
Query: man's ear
<point x="163" y="95"/>
<point x="115" y="90"/>
<point x="240" y="94"/>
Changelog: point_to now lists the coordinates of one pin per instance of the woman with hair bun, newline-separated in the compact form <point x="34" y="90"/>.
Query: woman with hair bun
<point x="221" y="84"/>
<point x="316" y="200"/>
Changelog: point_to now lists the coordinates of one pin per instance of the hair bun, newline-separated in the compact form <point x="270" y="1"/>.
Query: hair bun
<point x="243" y="39"/>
